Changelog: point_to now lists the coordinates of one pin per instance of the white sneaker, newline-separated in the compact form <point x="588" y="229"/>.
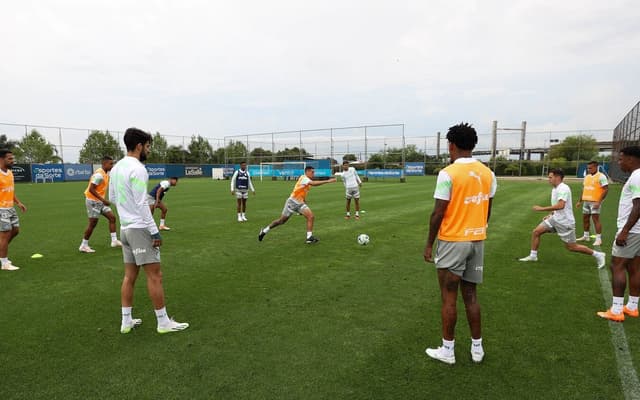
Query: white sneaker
<point x="164" y="228"/>
<point x="597" y="242"/>
<point x="8" y="266"/>
<point x="477" y="356"/>
<point x="528" y="258"/>
<point x="173" y="326"/>
<point x="86" y="249"/>
<point x="239" y="218"/>
<point x="126" y="328"/>
<point x="244" y="218"/>
<point x="438" y="354"/>
<point x="583" y="239"/>
<point x="116" y="243"/>
<point x="600" y="259"/>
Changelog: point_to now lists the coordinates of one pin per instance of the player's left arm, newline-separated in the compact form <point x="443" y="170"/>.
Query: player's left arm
<point x="19" y="203"/>
<point x="558" y="206"/>
<point x="605" y="192"/>
<point x="634" y="215"/>
<point x="253" y="190"/>
<point x="434" y="227"/>
<point x="320" y="183"/>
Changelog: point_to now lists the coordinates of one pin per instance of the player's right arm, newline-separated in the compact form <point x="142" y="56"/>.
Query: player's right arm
<point x="233" y="182"/>
<point x="139" y="181"/>
<point x="434" y="227"/>
<point x="319" y="183"/>
<point x="93" y="191"/>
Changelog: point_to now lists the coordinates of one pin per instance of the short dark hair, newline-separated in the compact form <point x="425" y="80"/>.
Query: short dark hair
<point x="592" y="163"/>
<point x="107" y="158"/>
<point x="308" y="167"/>
<point x="4" y="152"/>
<point x="463" y="135"/>
<point x="243" y="162"/>
<point x="135" y="136"/>
<point x="557" y="172"/>
<point x="174" y="177"/>
<point x="632" y="151"/>
<point x="345" y="162"/>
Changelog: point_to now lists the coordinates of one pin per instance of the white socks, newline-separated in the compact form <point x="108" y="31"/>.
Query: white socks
<point x="534" y="253"/>
<point x="114" y="237"/>
<point x="85" y="242"/>
<point x="309" y="234"/>
<point x="161" y="315"/>
<point x="126" y="315"/>
<point x="265" y="230"/>
<point x="447" y="347"/>
<point x="476" y="346"/>
<point x="632" y="304"/>
<point x="616" y="307"/>
<point x="161" y="222"/>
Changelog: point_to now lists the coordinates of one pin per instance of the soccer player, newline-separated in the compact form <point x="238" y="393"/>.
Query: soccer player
<point x="240" y="186"/>
<point x="560" y="221"/>
<point x="625" y="254"/>
<point x="352" y="185"/>
<point x="141" y="239"/>
<point x="464" y="195"/>
<point x="97" y="204"/>
<point x="9" y="222"/>
<point x="296" y="204"/>
<point x="155" y="199"/>
<point x="596" y="188"/>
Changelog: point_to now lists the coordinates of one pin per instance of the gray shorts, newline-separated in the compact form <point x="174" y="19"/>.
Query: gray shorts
<point x="8" y="219"/>
<point x="587" y="208"/>
<point x="465" y="259"/>
<point x="291" y="207"/>
<point x="242" y="194"/>
<point x="96" y="208"/>
<point x="352" y="193"/>
<point x="151" y="200"/>
<point x="566" y="233"/>
<point x="631" y="250"/>
<point x="137" y="247"/>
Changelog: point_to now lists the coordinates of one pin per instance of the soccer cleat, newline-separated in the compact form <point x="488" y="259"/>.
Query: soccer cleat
<point x="347" y="217"/>
<point x="597" y="242"/>
<point x="528" y="258"/>
<point x="631" y="313"/>
<point x="172" y="326"/>
<point x="611" y="316"/>
<point x="477" y="356"/>
<point x="583" y="239"/>
<point x="357" y="217"/>
<point x="164" y="228"/>
<point x="8" y="266"/>
<point x="116" y="243"/>
<point x="261" y="235"/>
<point x="126" y="328"/>
<point x="239" y="218"/>
<point x="311" y="240"/>
<point x="244" y="219"/>
<point x="86" y="249"/>
<point x="439" y="355"/>
<point x="600" y="259"/>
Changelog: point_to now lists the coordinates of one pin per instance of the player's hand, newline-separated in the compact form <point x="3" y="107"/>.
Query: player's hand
<point x="156" y="240"/>
<point x="22" y="207"/>
<point x="254" y="192"/>
<point x="428" y="254"/>
<point x="333" y="180"/>
<point x="106" y="203"/>
<point x="578" y="204"/>
<point x="621" y="239"/>
<point x="538" y="208"/>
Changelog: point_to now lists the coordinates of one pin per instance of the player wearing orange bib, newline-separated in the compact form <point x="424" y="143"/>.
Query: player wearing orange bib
<point x="97" y="204"/>
<point x="296" y="204"/>
<point x="9" y="222"/>
<point x="464" y="194"/>
<point x="596" y="188"/>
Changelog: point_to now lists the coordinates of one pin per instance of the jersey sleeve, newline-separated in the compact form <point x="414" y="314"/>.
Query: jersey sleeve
<point x="305" y="181"/>
<point x="139" y="179"/>
<point x="603" y="180"/>
<point x="443" y="186"/>
<point x="494" y="185"/>
<point x="97" y="179"/>
<point x="165" y="185"/>
<point x="634" y="185"/>
<point x="564" y="193"/>
<point x="250" y="183"/>
<point x="233" y="180"/>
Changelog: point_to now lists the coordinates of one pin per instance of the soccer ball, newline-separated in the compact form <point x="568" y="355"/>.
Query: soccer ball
<point x="363" y="239"/>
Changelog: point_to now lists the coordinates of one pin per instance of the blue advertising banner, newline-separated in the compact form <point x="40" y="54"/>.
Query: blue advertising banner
<point x="156" y="171"/>
<point x="174" y="170"/>
<point x="77" y="172"/>
<point x="414" y="168"/>
<point x="47" y="172"/>
<point x="383" y="173"/>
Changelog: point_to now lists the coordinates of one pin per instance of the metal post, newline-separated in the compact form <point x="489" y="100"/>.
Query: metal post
<point x="438" y="147"/>
<point x="402" y="179"/>
<point x="60" y="139"/>
<point x="300" y="149"/>
<point x="494" y="142"/>
<point x="273" y="148"/>
<point x="523" y="131"/>
<point x="366" y="156"/>
<point x="246" y="151"/>
<point x="331" y="157"/>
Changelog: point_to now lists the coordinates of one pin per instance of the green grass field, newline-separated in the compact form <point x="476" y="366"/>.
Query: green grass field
<point x="284" y="320"/>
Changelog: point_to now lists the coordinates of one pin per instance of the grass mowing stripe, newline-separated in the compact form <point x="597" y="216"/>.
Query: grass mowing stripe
<point x="626" y="370"/>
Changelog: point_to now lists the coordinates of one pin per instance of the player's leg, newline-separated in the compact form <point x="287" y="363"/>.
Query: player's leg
<point x="84" y="246"/>
<point x="276" y="222"/>
<point x="633" y="270"/>
<point x="163" y="216"/>
<point x="308" y="214"/>
<point x="244" y="206"/>
<point x="357" y="201"/>
<point x="598" y="226"/>
<point x="5" y="238"/>
<point x="239" y="206"/>
<point x="586" y="223"/>
<point x="153" y="272"/>
<point x="618" y="286"/>
<point x="110" y="216"/>
<point x="449" y="283"/>
<point x="348" y="208"/>
<point x="126" y="297"/>
<point x="539" y="230"/>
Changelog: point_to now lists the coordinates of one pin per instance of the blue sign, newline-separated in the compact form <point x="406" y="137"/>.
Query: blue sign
<point x="156" y="171"/>
<point x="414" y="168"/>
<point x="383" y="173"/>
<point x="77" y="172"/>
<point x="47" y="172"/>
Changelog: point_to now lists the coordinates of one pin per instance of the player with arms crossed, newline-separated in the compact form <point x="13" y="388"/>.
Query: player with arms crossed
<point x="560" y="221"/>
<point x="9" y="222"/>
<point x="352" y="185"/>
<point x="625" y="254"/>
<point x="141" y="239"/>
<point x="296" y="204"/>
<point x="97" y="204"/>
<point x="595" y="189"/>
<point x="464" y="195"/>
<point x="155" y="199"/>
<point x="240" y="186"/>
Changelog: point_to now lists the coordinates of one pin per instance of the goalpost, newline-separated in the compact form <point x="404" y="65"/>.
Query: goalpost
<point x="285" y="169"/>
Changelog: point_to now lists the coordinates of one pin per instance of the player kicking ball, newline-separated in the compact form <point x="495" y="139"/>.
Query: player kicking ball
<point x="296" y="204"/>
<point x="560" y="221"/>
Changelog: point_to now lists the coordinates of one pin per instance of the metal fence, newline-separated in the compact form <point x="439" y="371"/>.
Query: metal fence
<point x="627" y="133"/>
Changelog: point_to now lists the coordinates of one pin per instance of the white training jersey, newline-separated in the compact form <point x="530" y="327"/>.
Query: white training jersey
<point x="128" y="191"/>
<point x="563" y="216"/>
<point x="350" y="178"/>
<point x="630" y="191"/>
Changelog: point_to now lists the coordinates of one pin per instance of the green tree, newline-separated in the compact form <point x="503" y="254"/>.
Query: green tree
<point x="158" y="149"/>
<point x="259" y="155"/>
<point x="200" y="150"/>
<point x="573" y="148"/>
<point x="233" y="153"/>
<point x="34" y="148"/>
<point x="176" y="155"/>
<point x="5" y="143"/>
<point x="349" y="157"/>
<point x="293" y="153"/>
<point x="98" y="145"/>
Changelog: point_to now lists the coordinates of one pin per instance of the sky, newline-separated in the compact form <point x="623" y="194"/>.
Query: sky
<point x="219" y="68"/>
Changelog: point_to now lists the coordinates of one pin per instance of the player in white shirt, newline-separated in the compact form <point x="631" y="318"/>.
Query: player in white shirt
<point x="625" y="253"/>
<point x="352" y="185"/>
<point x="560" y="221"/>
<point x="139" y="234"/>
